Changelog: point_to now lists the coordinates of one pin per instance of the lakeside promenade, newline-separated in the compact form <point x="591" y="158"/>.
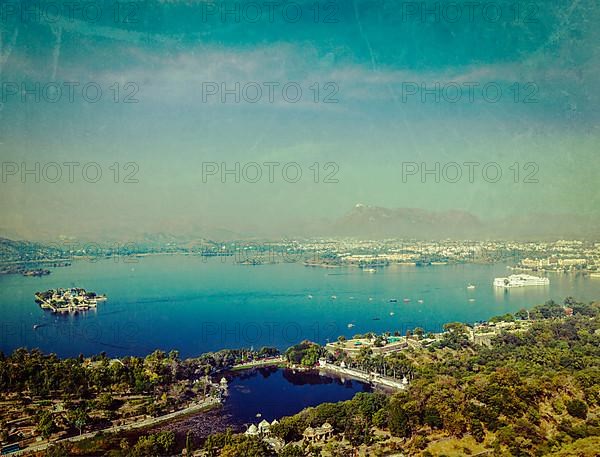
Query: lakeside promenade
<point x="371" y="378"/>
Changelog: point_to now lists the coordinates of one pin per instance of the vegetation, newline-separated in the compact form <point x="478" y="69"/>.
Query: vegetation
<point x="532" y="393"/>
<point x="48" y="396"/>
<point x="305" y="353"/>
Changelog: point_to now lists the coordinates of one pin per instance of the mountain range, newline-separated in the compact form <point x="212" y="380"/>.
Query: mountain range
<point x="361" y="221"/>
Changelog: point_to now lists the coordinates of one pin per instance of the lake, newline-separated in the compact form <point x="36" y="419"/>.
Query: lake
<point x="194" y="304"/>
<point x="269" y="392"/>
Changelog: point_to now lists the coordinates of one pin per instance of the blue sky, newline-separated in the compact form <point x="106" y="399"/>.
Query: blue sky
<point x="370" y="53"/>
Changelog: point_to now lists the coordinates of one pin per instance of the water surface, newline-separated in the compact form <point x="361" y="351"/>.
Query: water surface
<point x="195" y="304"/>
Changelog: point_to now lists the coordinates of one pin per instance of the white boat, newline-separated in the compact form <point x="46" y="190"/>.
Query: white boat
<point x="420" y="301"/>
<point x="470" y="287"/>
<point x="520" y="281"/>
<point x="350" y="325"/>
<point x="369" y="270"/>
<point x="310" y="297"/>
<point x="392" y="313"/>
<point x="333" y="297"/>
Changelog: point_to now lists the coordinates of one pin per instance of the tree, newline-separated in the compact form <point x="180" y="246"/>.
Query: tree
<point x="398" y="420"/>
<point x="357" y="431"/>
<point x="522" y="314"/>
<point x="247" y="447"/>
<point x="78" y="418"/>
<point x="166" y="440"/>
<point x="455" y="327"/>
<point x="305" y="353"/>
<point x="380" y="418"/>
<point x="432" y="417"/>
<point x="45" y="424"/>
<point x="577" y="408"/>
<point x="292" y="450"/>
<point x="154" y="444"/>
<point x="104" y="401"/>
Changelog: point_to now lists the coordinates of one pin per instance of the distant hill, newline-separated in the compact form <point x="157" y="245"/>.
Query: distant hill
<point x="376" y="222"/>
<point x="365" y="221"/>
<point x="361" y="221"/>
<point x="13" y="251"/>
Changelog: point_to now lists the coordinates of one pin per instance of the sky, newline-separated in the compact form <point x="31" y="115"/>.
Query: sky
<point x="134" y="116"/>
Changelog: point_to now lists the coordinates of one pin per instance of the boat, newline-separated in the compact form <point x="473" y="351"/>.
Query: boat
<point x="369" y="270"/>
<point x="310" y="297"/>
<point x="470" y="287"/>
<point x="350" y="325"/>
<point x="393" y="300"/>
<point x="471" y="299"/>
<point x="36" y="326"/>
<point x="420" y="301"/>
<point x="370" y="298"/>
<point x="406" y="300"/>
<point x="521" y="281"/>
<point x="392" y="313"/>
<point x="333" y="297"/>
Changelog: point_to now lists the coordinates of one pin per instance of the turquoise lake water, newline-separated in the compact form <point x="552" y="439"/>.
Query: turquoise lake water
<point x="195" y="304"/>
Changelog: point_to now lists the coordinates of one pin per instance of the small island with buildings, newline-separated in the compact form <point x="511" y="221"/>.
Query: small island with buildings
<point x="69" y="300"/>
